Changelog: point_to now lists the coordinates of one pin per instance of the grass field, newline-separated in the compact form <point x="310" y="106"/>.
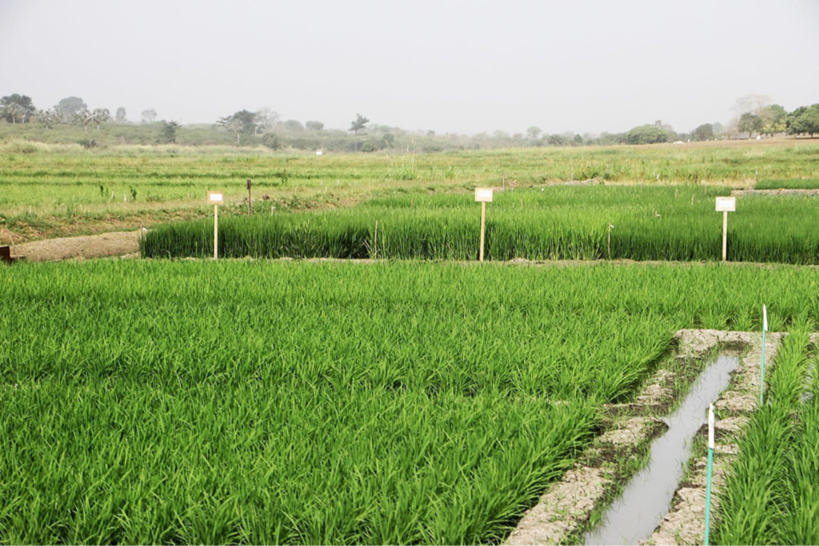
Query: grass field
<point x="262" y="402"/>
<point x="46" y="187"/>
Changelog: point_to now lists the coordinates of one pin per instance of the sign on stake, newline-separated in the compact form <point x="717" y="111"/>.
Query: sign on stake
<point x="216" y="198"/>
<point x="725" y="205"/>
<point x="482" y="196"/>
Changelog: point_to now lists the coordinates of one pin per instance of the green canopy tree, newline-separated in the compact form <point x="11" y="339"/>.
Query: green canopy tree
<point x="703" y="132"/>
<point x="804" y="119"/>
<point x="70" y="107"/>
<point x="773" y="119"/>
<point x="647" y="134"/>
<point x="241" y="122"/>
<point x="16" y="108"/>
<point x="167" y="132"/>
<point x="750" y="123"/>
<point x="293" y="125"/>
<point x="358" y="125"/>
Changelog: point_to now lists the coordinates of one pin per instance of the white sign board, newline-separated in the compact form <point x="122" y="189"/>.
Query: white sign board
<point x="726" y="204"/>
<point x="711" y="427"/>
<point x="216" y="198"/>
<point x="483" y="195"/>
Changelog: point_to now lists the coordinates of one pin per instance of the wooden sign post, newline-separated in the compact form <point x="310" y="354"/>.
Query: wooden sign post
<point x="482" y="196"/>
<point x="249" y="200"/>
<point x="725" y="205"/>
<point x="216" y="199"/>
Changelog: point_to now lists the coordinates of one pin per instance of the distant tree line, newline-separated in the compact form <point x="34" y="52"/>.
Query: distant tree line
<point x="20" y="109"/>
<point x="756" y="116"/>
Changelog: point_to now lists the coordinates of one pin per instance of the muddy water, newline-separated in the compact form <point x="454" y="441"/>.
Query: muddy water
<point x="647" y="497"/>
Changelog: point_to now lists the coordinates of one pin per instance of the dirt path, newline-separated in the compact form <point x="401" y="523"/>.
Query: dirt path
<point x="119" y="243"/>
<point x="125" y="244"/>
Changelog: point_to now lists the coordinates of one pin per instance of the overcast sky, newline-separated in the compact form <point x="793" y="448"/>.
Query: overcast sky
<point x="448" y="66"/>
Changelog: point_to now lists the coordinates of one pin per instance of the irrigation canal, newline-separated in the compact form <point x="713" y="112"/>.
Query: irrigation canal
<point x="647" y="497"/>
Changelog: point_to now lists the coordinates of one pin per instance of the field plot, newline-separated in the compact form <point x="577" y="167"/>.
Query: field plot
<point x="796" y="184"/>
<point x="555" y="222"/>
<point x="334" y="403"/>
<point x="52" y="189"/>
<point x="772" y="493"/>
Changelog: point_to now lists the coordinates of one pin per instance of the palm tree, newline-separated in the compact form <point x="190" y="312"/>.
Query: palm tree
<point x="100" y="115"/>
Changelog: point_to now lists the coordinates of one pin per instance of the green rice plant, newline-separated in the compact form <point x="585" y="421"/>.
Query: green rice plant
<point x="651" y="223"/>
<point x="769" y="493"/>
<point x="788" y="383"/>
<point x="802" y="523"/>
<point x="752" y="505"/>
<point x="292" y="402"/>
<point x="179" y="176"/>
<point x="797" y="184"/>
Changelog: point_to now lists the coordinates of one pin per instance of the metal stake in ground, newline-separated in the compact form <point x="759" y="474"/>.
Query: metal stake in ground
<point x="482" y="196"/>
<point x="762" y="366"/>
<point x="249" y="199"/>
<point x="611" y="227"/>
<point x="216" y="199"/>
<point x="725" y="205"/>
<point x="709" y="471"/>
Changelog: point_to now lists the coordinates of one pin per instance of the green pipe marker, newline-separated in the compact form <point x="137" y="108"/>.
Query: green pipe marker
<point x="762" y="368"/>
<point x="709" y="472"/>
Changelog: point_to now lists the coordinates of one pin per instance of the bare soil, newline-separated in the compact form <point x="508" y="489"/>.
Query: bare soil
<point x="50" y="226"/>
<point x="121" y="243"/>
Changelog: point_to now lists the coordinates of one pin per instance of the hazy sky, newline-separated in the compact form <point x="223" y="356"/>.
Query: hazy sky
<point x="449" y="66"/>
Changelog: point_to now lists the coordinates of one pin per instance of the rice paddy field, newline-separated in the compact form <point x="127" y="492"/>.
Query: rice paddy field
<point x="51" y="190"/>
<point x="414" y="399"/>
<point x="264" y="402"/>
<point x="553" y="222"/>
<point x="800" y="184"/>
